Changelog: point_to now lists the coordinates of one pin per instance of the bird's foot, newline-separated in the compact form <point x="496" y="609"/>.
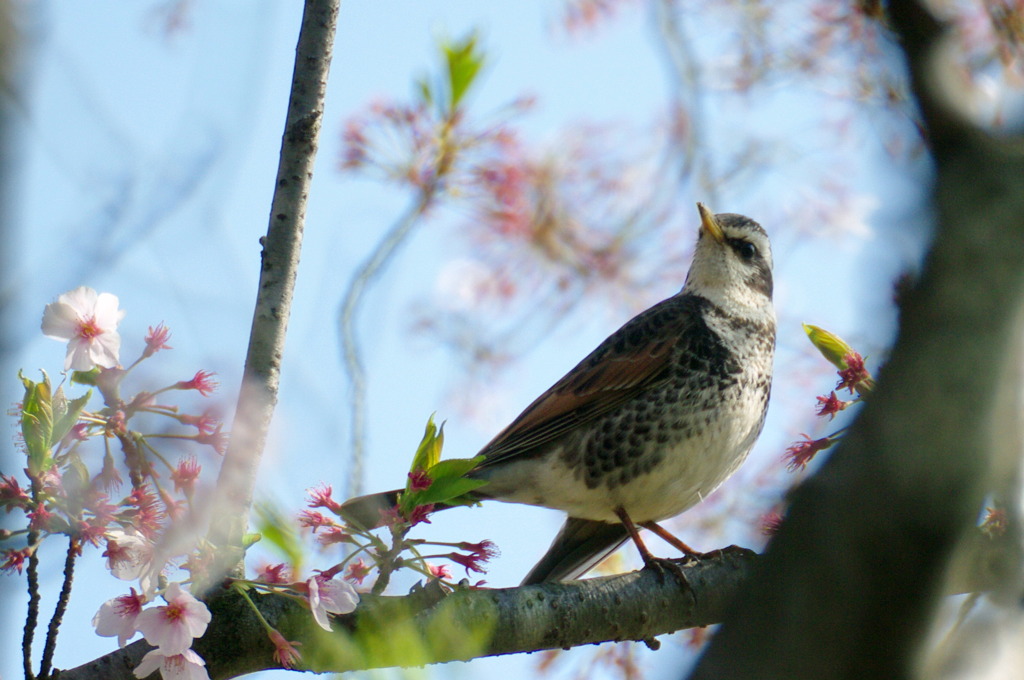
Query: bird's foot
<point x="663" y="567"/>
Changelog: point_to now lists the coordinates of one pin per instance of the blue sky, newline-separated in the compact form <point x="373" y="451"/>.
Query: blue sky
<point x="147" y="165"/>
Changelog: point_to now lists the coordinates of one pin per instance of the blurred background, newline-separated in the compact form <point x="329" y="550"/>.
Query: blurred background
<point x="140" y="146"/>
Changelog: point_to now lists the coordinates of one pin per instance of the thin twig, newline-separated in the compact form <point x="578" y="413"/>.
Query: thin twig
<point x="58" y="612"/>
<point x="281" y="248"/>
<point x="371" y="268"/>
<point x="32" y="575"/>
<point x="687" y="77"/>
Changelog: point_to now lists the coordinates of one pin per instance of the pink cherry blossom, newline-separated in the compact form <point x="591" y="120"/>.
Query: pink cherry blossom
<point x="202" y="382"/>
<point x="128" y="554"/>
<point x="439" y="570"/>
<point x="172" y="627"/>
<point x="14" y="559"/>
<point x="273" y="573"/>
<point x="357" y="571"/>
<point x="328" y="595"/>
<point x="285" y="652"/>
<point x="88" y="322"/>
<point x="116" y="617"/>
<point x="156" y="340"/>
<point x="186" y="665"/>
<point x="185" y="475"/>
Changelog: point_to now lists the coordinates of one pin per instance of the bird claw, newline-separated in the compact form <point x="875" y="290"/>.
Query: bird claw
<point x="661" y="567"/>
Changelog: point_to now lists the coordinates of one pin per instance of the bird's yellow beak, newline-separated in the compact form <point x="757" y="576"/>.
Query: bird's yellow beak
<point x="708" y="223"/>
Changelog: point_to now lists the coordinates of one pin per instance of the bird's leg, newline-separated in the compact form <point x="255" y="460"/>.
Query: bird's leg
<point x="674" y="541"/>
<point x="667" y="536"/>
<point x="635" y="535"/>
<point x="658" y="564"/>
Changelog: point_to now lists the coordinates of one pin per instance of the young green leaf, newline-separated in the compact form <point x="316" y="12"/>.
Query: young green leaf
<point x="464" y="63"/>
<point x="275" y="529"/>
<point x="831" y="346"/>
<point x="85" y="377"/>
<point x="429" y="450"/>
<point x="66" y="419"/>
<point x="453" y="467"/>
<point x="424" y="92"/>
<point x="37" y="423"/>
<point x="446" y="490"/>
<point x="75" y="482"/>
<point x="447" y="485"/>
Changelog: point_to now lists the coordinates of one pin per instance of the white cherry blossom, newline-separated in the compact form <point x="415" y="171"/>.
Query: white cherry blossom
<point x="129" y="554"/>
<point x="330" y="595"/>
<point x="186" y="665"/>
<point x="171" y="627"/>
<point x="116" y="617"/>
<point x="88" y="321"/>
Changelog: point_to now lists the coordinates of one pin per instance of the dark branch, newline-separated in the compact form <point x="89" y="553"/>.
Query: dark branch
<point x="282" y="245"/>
<point x="62" y="605"/>
<point x="32" y="618"/>
<point x="850" y="584"/>
<point x="428" y="627"/>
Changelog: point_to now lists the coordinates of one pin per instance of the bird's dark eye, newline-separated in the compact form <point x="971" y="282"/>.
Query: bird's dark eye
<point x="745" y="249"/>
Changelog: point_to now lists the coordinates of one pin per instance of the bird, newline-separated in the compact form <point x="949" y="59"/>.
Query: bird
<point x="652" y="421"/>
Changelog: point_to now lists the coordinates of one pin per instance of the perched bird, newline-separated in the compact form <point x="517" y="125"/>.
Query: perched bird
<point x="653" y="420"/>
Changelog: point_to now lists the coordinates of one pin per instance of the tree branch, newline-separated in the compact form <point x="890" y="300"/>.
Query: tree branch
<point x="281" y="248"/>
<point x="60" y="609"/>
<point x="430" y="627"/>
<point x="848" y="587"/>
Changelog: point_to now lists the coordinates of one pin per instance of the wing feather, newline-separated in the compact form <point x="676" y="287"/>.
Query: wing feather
<point x="632" y="360"/>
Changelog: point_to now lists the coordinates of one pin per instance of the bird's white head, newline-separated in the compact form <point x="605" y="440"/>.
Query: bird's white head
<point x="732" y="264"/>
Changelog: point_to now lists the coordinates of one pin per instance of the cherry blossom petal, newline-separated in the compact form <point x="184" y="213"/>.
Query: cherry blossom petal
<point x="330" y="595"/>
<point x="184" y="666"/>
<point x="128" y="554"/>
<point x="105" y="350"/>
<point x="116" y="617"/>
<point x="88" y="322"/>
<point x="60" y="321"/>
<point x="106" y="311"/>
<point x="172" y="627"/>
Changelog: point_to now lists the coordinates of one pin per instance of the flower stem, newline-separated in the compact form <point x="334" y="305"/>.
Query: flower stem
<point x="243" y="591"/>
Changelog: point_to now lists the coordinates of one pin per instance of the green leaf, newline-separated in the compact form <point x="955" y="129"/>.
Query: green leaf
<point x="429" y="450"/>
<point x="446" y="489"/>
<point x="831" y="346"/>
<point x="276" y="530"/>
<point x="37" y="423"/>
<point x="453" y="467"/>
<point x="75" y="481"/>
<point x="70" y="412"/>
<point x="464" y="63"/>
<point x="447" y="484"/>
<point x="85" y="377"/>
<point x="424" y="92"/>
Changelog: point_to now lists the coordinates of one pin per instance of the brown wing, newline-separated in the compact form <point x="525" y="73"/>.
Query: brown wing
<point x="633" y="359"/>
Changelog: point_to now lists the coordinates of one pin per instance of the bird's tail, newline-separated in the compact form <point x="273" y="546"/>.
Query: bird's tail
<point x="367" y="512"/>
<point x="578" y="547"/>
